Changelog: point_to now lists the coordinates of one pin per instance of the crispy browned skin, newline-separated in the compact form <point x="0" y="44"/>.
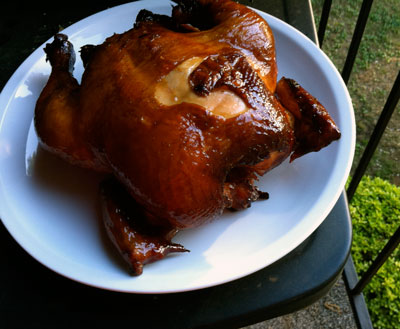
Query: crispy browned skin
<point x="314" y="128"/>
<point x="138" y="116"/>
<point x="138" y="242"/>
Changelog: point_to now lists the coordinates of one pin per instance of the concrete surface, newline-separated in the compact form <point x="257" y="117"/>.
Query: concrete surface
<point x="333" y="311"/>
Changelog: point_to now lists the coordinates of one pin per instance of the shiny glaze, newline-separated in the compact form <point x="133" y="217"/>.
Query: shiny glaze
<point x="174" y="159"/>
<point x="138" y="242"/>
<point x="182" y="159"/>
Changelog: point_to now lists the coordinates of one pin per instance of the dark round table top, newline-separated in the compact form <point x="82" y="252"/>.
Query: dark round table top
<point x="33" y="296"/>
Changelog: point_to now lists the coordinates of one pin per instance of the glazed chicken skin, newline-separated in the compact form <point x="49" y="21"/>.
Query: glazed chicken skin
<point x="184" y="112"/>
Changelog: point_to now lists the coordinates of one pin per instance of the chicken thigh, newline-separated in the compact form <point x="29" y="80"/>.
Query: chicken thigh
<point x="184" y="112"/>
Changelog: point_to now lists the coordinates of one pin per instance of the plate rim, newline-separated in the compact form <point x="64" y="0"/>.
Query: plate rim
<point x="25" y="68"/>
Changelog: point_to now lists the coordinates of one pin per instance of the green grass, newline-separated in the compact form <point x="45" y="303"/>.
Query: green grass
<point x="375" y="69"/>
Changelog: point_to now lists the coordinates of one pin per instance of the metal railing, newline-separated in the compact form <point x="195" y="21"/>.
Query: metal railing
<point x="355" y="286"/>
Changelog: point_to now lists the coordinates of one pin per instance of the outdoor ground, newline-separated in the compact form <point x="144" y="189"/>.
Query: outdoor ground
<point x="375" y="70"/>
<point x="331" y="312"/>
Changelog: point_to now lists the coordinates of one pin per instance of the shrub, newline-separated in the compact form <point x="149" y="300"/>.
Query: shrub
<point x="375" y="211"/>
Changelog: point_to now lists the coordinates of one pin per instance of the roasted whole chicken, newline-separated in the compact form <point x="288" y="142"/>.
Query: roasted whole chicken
<point x="184" y="112"/>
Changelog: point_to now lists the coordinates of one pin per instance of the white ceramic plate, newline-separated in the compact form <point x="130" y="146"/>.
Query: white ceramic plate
<point x="51" y="208"/>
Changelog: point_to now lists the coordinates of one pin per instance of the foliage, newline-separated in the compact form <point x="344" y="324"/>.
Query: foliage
<point x="375" y="211"/>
